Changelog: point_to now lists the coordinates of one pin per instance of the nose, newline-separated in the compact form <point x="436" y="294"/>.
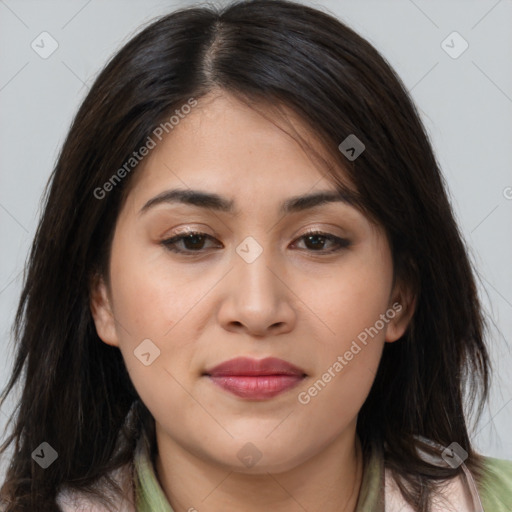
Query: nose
<point x="256" y="298"/>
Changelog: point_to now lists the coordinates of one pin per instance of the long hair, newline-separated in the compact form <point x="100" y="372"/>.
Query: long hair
<point x="76" y="392"/>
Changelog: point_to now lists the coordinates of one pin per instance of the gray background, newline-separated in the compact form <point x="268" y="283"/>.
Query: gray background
<point x="465" y="103"/>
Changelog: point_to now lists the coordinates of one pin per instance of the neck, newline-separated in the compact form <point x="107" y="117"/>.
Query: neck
<point x="329" y="481"/>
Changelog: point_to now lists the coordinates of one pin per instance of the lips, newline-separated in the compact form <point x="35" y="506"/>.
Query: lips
<point x="256" y="379"/>
<point x="255" y="367"/>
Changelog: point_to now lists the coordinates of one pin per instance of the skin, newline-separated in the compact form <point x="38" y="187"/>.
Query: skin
<point x="292" y="302"/>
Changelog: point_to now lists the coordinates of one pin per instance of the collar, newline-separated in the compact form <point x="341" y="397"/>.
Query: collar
<point x="150" y="496"/>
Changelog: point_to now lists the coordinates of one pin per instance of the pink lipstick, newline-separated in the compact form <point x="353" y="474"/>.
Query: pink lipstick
<point x="255" y="379"/>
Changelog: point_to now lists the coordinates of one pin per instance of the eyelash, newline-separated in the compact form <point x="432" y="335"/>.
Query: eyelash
<point x="170" y="243"/>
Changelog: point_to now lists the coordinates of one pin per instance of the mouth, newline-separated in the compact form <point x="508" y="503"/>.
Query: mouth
<point x="255" y="379"/>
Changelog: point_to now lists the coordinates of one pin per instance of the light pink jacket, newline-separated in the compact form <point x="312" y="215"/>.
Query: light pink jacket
<point x="72" y="501"/>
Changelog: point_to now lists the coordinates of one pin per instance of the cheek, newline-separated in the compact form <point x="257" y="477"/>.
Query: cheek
<point x="154" y="302"/>
<point x="353" y="300"/>
<point x="151" y="304"/>
<point x="347" y="363"/>
<point x="149" y="295"/>
<point x="348" y="357"/>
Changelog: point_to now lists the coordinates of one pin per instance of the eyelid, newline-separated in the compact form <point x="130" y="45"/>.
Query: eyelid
<point x="340" y="242"/>
<point x="184" y="230"/>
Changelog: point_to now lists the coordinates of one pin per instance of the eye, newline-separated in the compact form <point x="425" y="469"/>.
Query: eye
<point x="317" y="240"/>
<point x="194" y="242"/>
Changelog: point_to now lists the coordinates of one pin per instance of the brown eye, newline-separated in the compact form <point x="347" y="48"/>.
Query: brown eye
<point x="192" y="241"/>
<point x="316" y="240"/>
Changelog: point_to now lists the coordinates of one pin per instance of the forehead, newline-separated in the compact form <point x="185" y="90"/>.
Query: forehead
<point x="227" y="145"/>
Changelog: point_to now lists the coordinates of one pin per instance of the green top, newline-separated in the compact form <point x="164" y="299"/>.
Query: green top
<point x="496" y="487"/>
<point x="495" y="490"/>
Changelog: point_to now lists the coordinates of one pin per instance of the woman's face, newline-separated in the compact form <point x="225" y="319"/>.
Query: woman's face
<point x="252" y="286"/>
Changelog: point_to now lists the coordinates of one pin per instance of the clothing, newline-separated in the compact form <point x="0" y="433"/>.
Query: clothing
<point x="377" y="489"/>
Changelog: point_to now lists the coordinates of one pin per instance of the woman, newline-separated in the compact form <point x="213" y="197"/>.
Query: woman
<point x="247" y="290"/>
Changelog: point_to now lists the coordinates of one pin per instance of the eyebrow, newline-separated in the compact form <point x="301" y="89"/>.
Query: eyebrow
<point x="203" y="199"/>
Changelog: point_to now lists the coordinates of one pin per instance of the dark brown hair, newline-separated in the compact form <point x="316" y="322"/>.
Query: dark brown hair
<point x="76" y="392"/>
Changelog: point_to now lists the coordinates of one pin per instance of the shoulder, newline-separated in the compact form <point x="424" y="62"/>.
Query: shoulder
<point x="71" y="500"/>
<point x="496" y="485"/>
<point x="452" y="496"/>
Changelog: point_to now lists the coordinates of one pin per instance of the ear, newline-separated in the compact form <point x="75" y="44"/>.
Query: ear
<point x="403" y="303"/>
<point x="101" y="311"/>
